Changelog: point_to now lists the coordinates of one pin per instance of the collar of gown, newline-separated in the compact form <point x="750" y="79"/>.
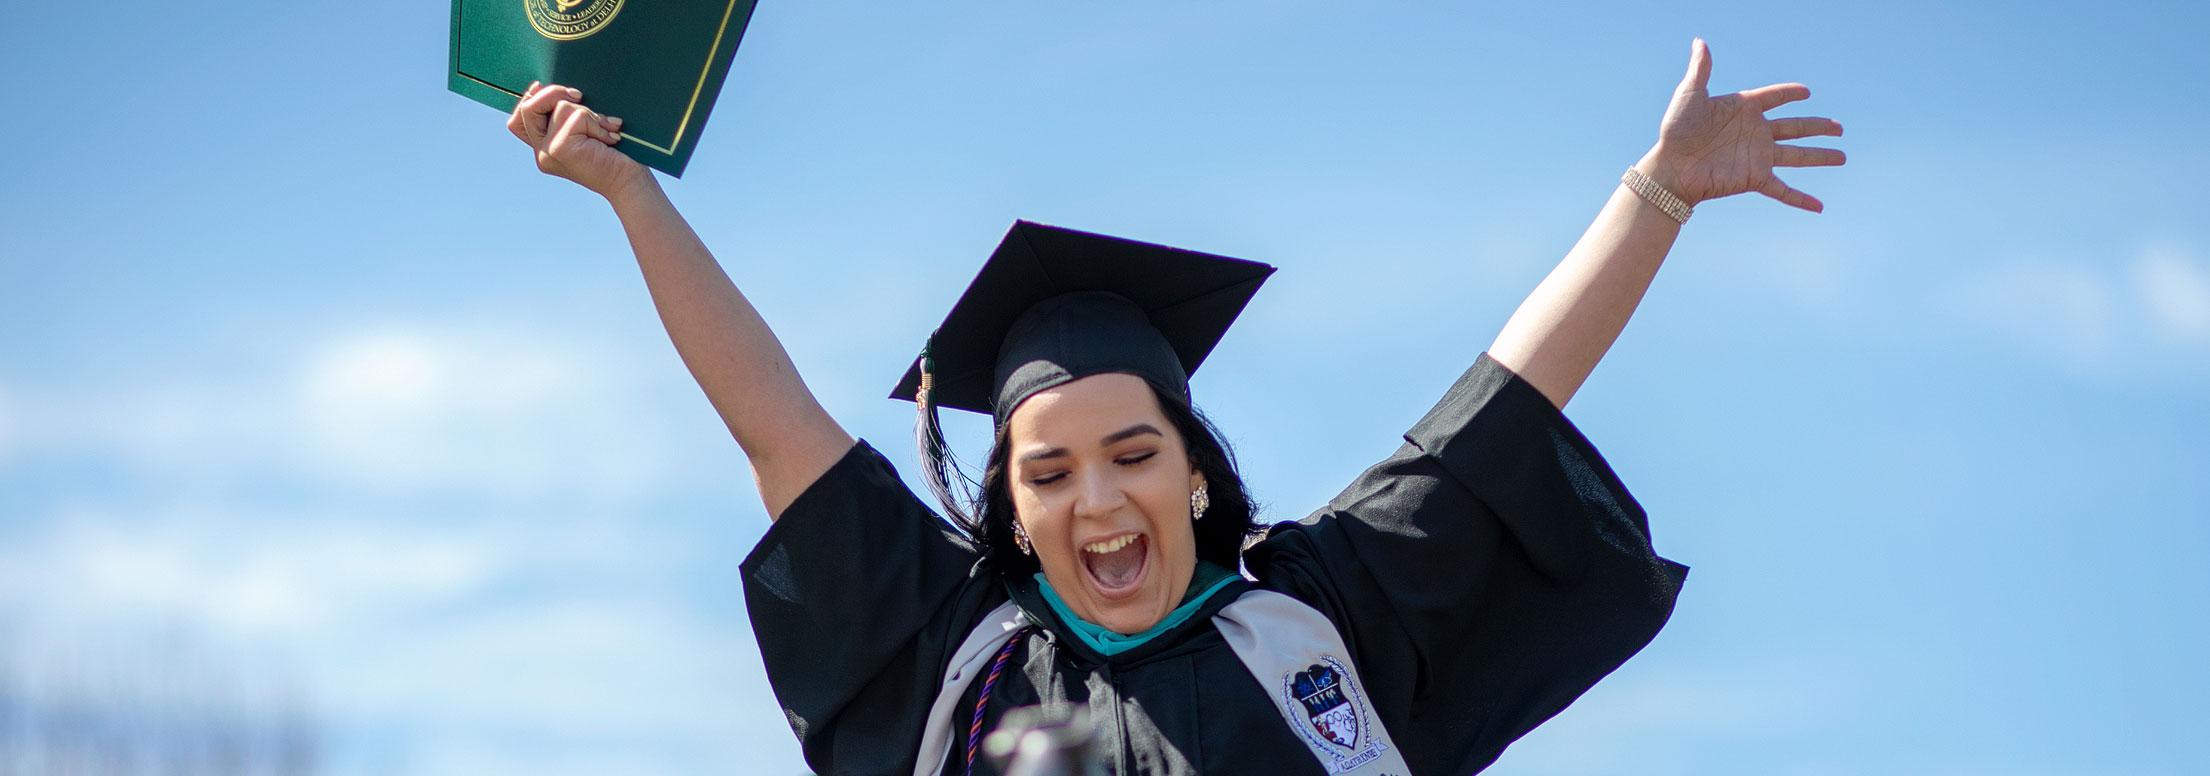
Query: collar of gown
<point x="1208" y="579"/>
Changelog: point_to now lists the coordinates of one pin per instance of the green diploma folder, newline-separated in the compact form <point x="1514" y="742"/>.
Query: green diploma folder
<point x="658" y="64"/>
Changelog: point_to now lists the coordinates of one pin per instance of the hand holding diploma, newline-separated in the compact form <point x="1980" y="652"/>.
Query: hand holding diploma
<point x="574" y="142"/>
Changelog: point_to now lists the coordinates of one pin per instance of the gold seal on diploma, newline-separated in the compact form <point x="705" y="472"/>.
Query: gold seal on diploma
<point x="570" y="19"/>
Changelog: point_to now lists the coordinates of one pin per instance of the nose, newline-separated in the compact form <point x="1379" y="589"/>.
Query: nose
<point x="1098" y="495"/>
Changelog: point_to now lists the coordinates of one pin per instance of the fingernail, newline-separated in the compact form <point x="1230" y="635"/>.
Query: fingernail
<point x="615" y="120"/>
<point x="574" y="93"/>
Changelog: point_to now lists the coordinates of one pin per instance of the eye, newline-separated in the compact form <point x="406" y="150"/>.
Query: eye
<point x="1047" y="479"/>
<point x="1136" y="459"/>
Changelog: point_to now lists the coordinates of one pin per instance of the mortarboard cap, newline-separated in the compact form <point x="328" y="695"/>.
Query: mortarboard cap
<point x="1055" y="305"/>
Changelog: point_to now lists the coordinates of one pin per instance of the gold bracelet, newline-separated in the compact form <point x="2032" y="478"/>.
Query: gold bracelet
<point x="1657" y="195"/>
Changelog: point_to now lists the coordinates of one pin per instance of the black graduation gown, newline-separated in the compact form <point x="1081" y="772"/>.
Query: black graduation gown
<point x="1482" y="577"/>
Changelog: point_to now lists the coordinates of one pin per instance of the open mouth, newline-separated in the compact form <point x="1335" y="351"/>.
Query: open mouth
<point x="1117" y="564"/>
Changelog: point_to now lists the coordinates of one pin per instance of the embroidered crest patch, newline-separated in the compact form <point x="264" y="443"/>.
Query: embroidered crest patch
<point x="1336" y="714"/>
<point x="1320" y="690"/>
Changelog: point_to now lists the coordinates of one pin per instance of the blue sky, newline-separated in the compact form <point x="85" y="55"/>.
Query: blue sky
<point x="315" y="394"/>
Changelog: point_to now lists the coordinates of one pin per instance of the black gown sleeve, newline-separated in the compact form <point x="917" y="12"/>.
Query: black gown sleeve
<point x="857" y="594"/>
<point x="1483" y="576"/>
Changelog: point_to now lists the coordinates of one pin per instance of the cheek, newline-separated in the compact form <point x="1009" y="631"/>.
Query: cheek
<point x="1033" y="514"/>
<point x="1025" y="503"/>
<point x="1169" y="499"/>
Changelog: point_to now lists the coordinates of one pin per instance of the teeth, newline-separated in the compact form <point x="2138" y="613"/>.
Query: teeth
<point x="1108" y="545"/>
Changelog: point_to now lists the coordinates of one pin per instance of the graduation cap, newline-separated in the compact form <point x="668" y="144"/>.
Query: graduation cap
<point x="1056" y="305"/>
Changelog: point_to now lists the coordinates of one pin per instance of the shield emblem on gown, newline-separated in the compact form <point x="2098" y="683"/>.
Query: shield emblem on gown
<point x="1319" y="691"/>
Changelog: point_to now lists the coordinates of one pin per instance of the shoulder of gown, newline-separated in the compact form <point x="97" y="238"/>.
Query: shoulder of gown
<point x="1483" y="576"/>
<point x="857" y="595"/>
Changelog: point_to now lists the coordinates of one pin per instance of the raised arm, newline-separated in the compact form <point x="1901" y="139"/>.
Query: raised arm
<point x="731" y="352"/>
<point x="1708" y="147"/>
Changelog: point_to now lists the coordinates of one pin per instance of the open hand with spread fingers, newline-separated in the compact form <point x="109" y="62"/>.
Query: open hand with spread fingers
<point x="572" y="141"/>
<point x="1711" y="147"/>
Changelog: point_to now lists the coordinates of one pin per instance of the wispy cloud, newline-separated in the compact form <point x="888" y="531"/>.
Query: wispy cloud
<point x="2143" y="315"/>
<point x="7" y="424"/>
<point x="452" y="408"/>
<point x="352" y="510"/>
<point x="1784" y="712"/>
<point x="559" y="667"/>
<point x="265" y="576"/>
<point x="1712" y="707"/>
<point x="432" y="632"/>
<point x="2070" y="308"/>
<point x="471" y="409"/>
<point x="2176" y="288"/>
<point x="1813" y="274"/>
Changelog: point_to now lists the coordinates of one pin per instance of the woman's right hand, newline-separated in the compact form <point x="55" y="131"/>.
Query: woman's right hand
<point x="573" y="141"/>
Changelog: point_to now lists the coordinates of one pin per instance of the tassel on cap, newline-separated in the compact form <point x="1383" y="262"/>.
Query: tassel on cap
<point x="938" y="465"/>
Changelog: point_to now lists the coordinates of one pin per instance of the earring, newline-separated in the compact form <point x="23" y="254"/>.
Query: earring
<point x="1020" y="539"/>
<point x="1198" y="501"/>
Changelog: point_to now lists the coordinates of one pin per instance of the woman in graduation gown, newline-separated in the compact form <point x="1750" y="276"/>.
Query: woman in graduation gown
<point x="1453" y="597"/>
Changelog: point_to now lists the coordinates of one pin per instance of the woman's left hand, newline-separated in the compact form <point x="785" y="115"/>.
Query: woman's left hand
<point x="1711" y="147"/>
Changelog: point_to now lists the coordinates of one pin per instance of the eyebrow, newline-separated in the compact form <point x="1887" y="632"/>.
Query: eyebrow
<point x="1132" y="431"/>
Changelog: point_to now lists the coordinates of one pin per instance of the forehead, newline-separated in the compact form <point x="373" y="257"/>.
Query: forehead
<point x="1084" y="411"/>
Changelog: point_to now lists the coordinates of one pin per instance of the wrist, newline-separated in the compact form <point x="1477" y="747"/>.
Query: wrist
<point x="1644" y="182"/>
<point x="1660" y="169"/>
<point x="636" y="184"/>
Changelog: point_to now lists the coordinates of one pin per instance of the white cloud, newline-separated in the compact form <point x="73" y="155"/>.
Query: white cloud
<point x="2067" y="308"/>
<point x="475" y="410"/>
<point x="455" y="409"/>
<point x="303" y="578"/>
<point x="562" y="666"/>
<point x="444" y="636"/>
<point x="450" y="636"/>
<point x="168" y="427"/>
<point x="2147" y="318"/>
<point x="2176" y="290"/>
<point x="375" y="372"/>
<point x="1667" y="717"/>
<point x="280" y="578"/>
<point x="7" y="424"/>
<point x="593" y="682"/>
<point x="1813" y="274"/>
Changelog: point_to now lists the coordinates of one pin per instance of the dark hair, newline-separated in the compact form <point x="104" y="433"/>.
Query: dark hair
<point x="988" y="514"/>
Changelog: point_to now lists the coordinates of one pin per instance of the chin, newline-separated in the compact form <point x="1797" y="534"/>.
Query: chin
<point x="1129" y="622"/>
